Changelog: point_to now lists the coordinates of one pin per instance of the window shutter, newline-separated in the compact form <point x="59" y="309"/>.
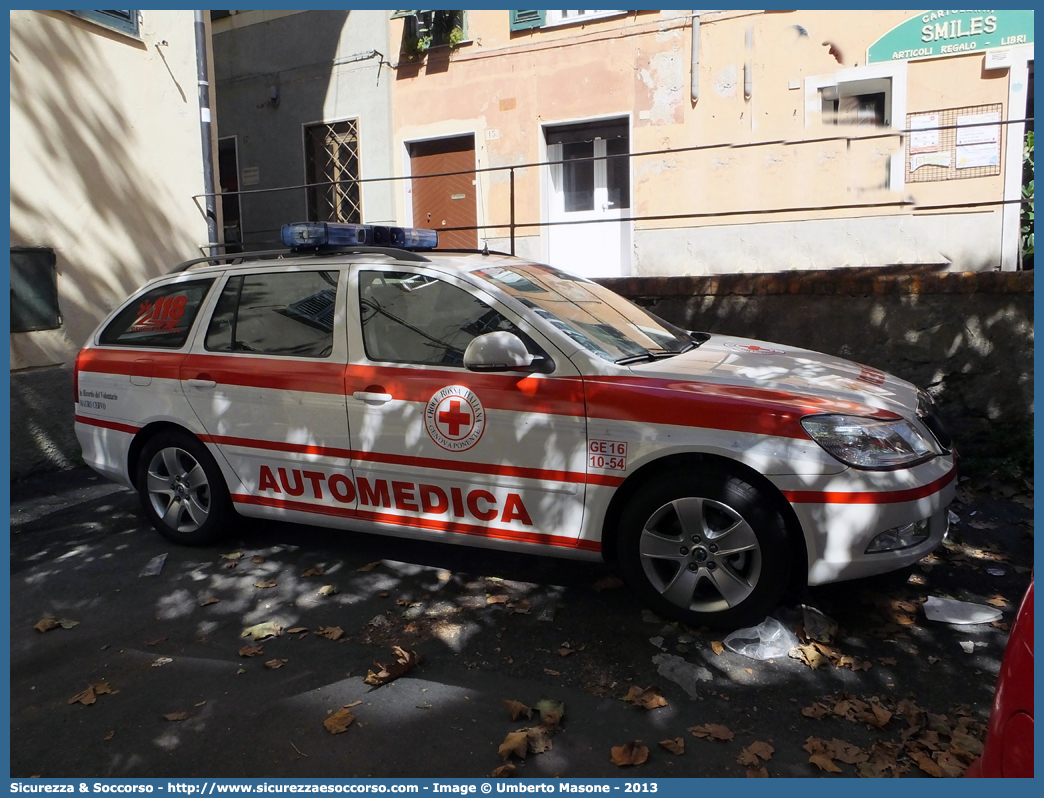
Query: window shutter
<point x="524" y="20"/>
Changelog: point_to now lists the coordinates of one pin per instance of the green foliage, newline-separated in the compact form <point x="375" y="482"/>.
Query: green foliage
<point x="1026" y="221"/>
<point x="456" y="36"/>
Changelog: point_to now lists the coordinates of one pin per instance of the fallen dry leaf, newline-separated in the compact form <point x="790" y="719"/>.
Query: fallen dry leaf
<point x="339" y="721"/>
<point x="565" y="651"/>
<point x="297" y="630"/>
<point x="405" y="661"/>
<point x="551" y="711"/>
<point x="503" y="770"/>
<point x="649" y="698"/>
<point x="257" y="559"/>
<point x="552" y="672"/>
<point x="717" y="647"/>
<point x="276" y="663"/>
<point x="251" y="651"/>
<point x="46" y="624"/>
<point x="675" y="746"/>
<point x="761" y="750"/>
<point x="209" y="600"/>
<point x="887" y="660"/>
<point x="264" y="585"/>
<point x="519" y="607"/>
<point x="109" y="736"/>
<point x="327" y="590"/>
<point x="236" y="555"/>
<point x="230" y="565"/>
<point x="330" y="632"/>
<point x="90" y="695"/>
<point x="997" y="601"/>
<point x="156" y="642"/>
<point x="368" y="567"/>
<point x="517" y="709"/>
<point x="313" y="572"/>
<point x="713" y="731"/>
<point x="633" y="753"/>
<point x="926" y="763"/>
<point x="516" y="743"/>
<point x="816" y="711"/>
<point x="262" y="630"/>
<point x="176" y="716"/>
<point x="757" y="773"/>
<point x="823" y="762"/>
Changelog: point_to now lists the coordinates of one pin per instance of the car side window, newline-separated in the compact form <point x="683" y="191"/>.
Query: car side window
<point x="282" y="313"/>
<point x="160" y="318"/>
<point x="414" y="318"/>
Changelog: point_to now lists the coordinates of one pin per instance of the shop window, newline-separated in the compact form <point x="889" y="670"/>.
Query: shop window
<point x="863" y="103"/>
<point x="34" y="291"/>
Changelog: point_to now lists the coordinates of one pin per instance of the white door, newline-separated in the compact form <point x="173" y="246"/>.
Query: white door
<point x="591" y="192"/>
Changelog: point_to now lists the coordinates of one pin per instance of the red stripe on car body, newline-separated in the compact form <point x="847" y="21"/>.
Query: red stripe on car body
<point x="422" y="523"/>
<point x="871" y="497"/>
<point x="106" y="424"/>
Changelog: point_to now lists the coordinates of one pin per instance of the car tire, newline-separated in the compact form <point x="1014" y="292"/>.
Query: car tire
<point x="708" y="549"/>
<point x="182" y="490"/>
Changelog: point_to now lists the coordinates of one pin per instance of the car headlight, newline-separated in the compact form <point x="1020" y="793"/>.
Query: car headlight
<point x="871" y="443"/>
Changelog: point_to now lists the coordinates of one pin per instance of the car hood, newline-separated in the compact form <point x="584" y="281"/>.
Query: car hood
<point x="746" y="363"/>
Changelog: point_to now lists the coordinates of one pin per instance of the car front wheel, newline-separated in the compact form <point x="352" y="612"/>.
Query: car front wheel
<point x="182" y="490"/>
<point x="707" y="549"/>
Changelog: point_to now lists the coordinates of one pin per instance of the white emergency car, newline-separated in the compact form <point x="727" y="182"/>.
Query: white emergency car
<point x="483" y="399"/>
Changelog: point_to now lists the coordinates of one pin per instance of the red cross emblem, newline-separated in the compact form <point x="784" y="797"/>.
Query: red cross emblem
<point x="453" y="419"/>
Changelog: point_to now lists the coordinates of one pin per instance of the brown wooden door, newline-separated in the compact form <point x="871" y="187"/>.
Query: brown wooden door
<point x="449" y="201"/>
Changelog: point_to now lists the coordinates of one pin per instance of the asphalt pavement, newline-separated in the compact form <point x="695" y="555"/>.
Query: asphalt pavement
<point x="157" y="676"/>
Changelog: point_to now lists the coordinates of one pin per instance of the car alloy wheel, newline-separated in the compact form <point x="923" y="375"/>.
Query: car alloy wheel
<point x="700" y="555"/>
<point x="178" y="490"/>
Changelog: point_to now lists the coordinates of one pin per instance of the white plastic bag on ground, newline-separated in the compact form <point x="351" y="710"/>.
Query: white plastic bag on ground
<point x="953" y="611"/>
<point x="768" y="640"/>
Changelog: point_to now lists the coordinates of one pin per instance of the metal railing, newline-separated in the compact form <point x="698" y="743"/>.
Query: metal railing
<point x="512" y="225"/>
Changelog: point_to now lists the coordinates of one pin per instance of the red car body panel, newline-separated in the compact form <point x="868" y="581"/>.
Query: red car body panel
<point x="1008" y="752"/>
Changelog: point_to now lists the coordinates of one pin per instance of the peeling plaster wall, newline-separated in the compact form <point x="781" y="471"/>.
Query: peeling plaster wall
<point x="818" y="244"/>
<point x="505" y="86"/>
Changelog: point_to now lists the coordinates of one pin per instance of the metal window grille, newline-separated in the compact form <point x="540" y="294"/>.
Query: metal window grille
<point x="332" y="171"/>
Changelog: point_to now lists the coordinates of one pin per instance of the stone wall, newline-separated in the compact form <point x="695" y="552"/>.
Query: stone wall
<point x="967" y="337"/>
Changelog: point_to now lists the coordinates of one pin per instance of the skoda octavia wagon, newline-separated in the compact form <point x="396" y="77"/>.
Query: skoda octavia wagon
<point x="487" y="400"/>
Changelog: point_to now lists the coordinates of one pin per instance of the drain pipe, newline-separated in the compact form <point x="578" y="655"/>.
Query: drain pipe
<point x="694" y="66"/>
<point x="205" y="132"/>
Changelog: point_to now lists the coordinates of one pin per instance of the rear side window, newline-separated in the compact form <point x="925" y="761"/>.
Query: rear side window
<point x="283" y="313"/>
<point x="160" y="318"/>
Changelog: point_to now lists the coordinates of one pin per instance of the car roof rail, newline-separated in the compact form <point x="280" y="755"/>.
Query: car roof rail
<point x="242" y="258"/>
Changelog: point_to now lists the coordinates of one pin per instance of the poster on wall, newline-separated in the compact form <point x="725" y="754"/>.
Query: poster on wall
<point x="924" y="133"/>
<point x="978" y="142"/>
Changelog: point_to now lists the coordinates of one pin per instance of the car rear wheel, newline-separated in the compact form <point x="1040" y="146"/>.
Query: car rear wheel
<point x="182" y="490"/>
<point x="710" y="550"/>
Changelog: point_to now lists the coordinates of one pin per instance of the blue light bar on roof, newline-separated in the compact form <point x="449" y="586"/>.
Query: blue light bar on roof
<point x="309" y="235"/>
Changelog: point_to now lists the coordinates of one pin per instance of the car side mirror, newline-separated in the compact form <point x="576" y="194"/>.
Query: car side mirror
<point x="498" y="351"/>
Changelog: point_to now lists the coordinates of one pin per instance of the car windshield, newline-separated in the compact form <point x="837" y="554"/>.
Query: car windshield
<point x="600" y="321"/>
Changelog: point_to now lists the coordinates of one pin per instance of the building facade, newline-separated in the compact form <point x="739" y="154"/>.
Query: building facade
<point x="106" y="157"/>
<point x="676" y="142"/>
<point x="305" y="104"/>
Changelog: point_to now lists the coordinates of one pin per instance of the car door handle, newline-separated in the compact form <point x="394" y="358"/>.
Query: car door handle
<point x="202" y="383"/>
<point x="372" y="398"/>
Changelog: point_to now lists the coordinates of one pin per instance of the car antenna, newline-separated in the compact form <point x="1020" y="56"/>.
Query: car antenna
<point x="485" y="248"/>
